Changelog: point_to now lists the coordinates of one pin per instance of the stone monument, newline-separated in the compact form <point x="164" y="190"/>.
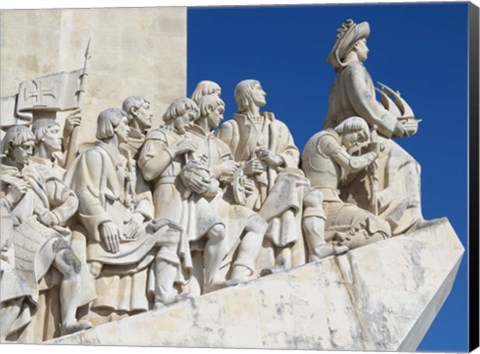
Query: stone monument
<point x="189" y="232"/>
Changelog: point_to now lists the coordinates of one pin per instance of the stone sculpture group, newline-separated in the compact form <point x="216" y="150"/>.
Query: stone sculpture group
<point x="147" y="216"/>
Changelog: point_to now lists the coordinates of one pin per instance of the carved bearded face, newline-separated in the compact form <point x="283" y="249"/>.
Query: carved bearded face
<point x="183" y="122"/>
<point x="52" y="138"/>
<point x="143" y="115"/>
<point x="22" y="153"/>
<point x="216" y="116"/>
<point x="122" y="130"/>
<point x="258" y="96"/>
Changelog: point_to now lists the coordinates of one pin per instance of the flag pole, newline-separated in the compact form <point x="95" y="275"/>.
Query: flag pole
<point x="72" y="146"/>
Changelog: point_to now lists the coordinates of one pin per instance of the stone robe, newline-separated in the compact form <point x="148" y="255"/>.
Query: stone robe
<point x="271" y="202"/>
<point x="172" y="200"/>
<point x="104" y="181"/>
<point x="214" y="152"/>
<point x="353" y="94"/>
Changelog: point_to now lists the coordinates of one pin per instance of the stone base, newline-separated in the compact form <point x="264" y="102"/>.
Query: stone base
<point x="379" y="297"/>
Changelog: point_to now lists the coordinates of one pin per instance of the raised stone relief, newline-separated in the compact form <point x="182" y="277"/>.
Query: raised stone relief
<point x="158" y="219"/>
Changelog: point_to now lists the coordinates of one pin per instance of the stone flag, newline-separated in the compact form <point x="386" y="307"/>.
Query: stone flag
<point x="55" y="92"/>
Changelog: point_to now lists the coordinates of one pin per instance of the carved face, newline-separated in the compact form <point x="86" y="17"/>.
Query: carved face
<point x="362" y="49"/>
<point x="21" y="154"/>
<point x="52" y="138"/>
<point x="258" y="96"/>
<point x="122" y="130"/>
<point x="215" y="117"/>
<point x="354" y="139"/>
<point x="183" y="122"/>
<point x="143" y="115"/>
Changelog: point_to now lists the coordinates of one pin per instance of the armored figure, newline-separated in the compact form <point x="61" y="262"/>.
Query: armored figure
<point x="41" y="240"/>
<point x="327" y="163"/>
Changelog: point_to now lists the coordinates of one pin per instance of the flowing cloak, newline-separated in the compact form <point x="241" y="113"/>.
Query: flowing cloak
<point x="104" y="181"/>
<point x="353" y="94"/>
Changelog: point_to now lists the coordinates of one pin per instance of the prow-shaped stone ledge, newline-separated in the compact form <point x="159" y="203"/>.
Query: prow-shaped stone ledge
<point x="379" y="297"/>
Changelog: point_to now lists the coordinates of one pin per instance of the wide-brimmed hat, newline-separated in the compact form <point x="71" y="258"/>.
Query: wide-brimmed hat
<point x="347" y="35"/>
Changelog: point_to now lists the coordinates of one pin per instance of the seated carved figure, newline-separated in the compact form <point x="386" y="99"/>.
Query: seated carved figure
<point x="353" y="94"/>
<point x="39" y="215"/>
<point x="282" y="195"/>
<point x="245" y="228"/>
<point x="122" y="249"/>
<point x="327" y="163"/>
<point x="164" y="161"/>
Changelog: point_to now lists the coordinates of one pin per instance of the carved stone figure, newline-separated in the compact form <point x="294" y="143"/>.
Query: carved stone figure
<point x="41" y="241"/>
<point x="265" y="147"/>
<point x="121" y="247"/>
<point x="205" y="88"/>
<point x="140" y="120"/>
<point x="327" y="163"/>
<point x="245" y="228"/>
<point x="17" y="294"/>
<point x="166" y="161"/>
<point x="47" y="160"/>
<point x="397" y="194"/>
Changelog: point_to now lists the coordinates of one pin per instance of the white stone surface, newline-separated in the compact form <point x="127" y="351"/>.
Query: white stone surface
<point x="382" y="296"/>
<point x="135" y="51"/>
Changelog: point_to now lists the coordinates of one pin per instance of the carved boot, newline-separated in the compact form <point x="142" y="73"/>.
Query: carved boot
<point x="165" y="293"/>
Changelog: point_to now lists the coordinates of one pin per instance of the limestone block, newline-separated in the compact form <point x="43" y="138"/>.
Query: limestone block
<point x="383" y="296"/>
<point x="135" y="51"/>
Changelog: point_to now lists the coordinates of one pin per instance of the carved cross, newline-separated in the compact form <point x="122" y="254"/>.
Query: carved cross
<point x="38" y="93"/>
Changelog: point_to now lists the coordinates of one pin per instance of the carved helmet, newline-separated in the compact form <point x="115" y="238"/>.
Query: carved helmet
<point x="347" y="35"/>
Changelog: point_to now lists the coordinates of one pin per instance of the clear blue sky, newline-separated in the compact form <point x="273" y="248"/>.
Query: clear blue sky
<point x="418" y="49"/>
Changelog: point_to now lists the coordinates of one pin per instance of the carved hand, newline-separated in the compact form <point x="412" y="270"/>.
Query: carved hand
<point x="269" y="157"/>
<point x="111" y="236"/>
<point x="48" y="218"/>
<point x="134" y="226"/>
<point x="73" y="120"/>
<point x="254" y="167"/>
<point x="199" y="185"/>
<point x="399" y="130"/>
<point x="183" y="146"/>
<point x="16" y="191"/>
<point x="226" y="169"/>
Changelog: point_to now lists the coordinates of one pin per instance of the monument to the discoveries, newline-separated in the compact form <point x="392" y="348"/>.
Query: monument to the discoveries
<point x="175" y="233"/>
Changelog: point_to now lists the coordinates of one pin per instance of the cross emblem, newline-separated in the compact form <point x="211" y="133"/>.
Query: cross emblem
<point x="38" y="93"/>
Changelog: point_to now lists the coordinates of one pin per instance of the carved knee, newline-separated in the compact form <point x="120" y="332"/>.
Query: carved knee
<point x="68" y="263"/>
<point x="313" y="199"/>
<point x="257" y="225"/>
<point x="95" y="268"/>
<point x="217" y="233"/>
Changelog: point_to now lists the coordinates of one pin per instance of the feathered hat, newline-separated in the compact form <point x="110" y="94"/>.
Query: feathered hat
<point x="347" y="35"/>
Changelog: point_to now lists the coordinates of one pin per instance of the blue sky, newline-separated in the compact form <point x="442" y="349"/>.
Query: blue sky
<point x="418" y="49"/>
